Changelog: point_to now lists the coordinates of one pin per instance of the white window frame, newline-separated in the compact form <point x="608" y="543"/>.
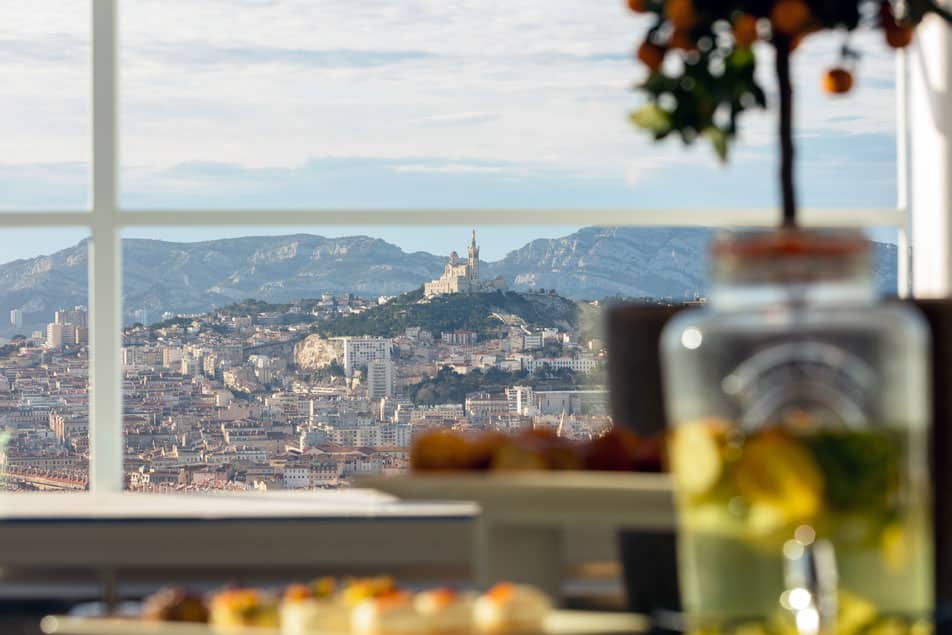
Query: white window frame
<point x="106" y="220"/>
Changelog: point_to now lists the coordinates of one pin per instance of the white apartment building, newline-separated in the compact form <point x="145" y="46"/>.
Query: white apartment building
<point x="571" y="402"/>
<point x="360" y="351"/>
<point x="482" y="404"/>
<point x="291" y="405"/>
<point x="520" y="399"/>
<point x="16" y="318"/>
<point x="54" y="335"/>
<point x="171" y="357"/>
<point x="359" y="437"/>
<point x="326" y="474"/>
<point x="532" y="341"/>
<point x="381" y="379"/>
<point x="190" y="366"/>
<point x="297" y="476"/>
<point x="576" y="364"/>
<point x="395" y="435"/>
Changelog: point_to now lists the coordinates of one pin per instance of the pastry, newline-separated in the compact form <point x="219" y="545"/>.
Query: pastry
<point x="313" y="609"/>
<point x="446" y="611"/>
<point x="617" y="449"/>
<point x="358" y="589"/>
<point x="390" y="614"/>
<point x="175" y="605"/>
<point x="440" y="450"/>
<point x="510" y="609"/>
<point x="243" y="607"/>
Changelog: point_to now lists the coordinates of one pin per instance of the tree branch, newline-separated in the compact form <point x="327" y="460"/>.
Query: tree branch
<point x="788" y="193"/>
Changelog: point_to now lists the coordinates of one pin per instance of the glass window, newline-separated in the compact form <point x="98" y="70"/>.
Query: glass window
<point x="44" y="362"/>
<point x="44" y="104"/>
<point x="460" y="109"/>
<point x="304" y="360"/>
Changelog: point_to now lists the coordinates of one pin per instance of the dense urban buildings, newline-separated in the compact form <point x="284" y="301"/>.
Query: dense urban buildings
<point x="310" y="394"/>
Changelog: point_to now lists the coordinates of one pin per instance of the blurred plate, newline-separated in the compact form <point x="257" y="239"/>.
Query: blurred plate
<point x="558" y="623"/>
<point x="624" y="499"/>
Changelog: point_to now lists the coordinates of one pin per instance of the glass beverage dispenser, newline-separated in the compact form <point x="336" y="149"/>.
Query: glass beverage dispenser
<point x="798" y="407"/>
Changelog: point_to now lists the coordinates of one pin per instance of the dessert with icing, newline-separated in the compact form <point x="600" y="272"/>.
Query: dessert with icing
<point x="391" y="614"/>
<point x="309" y="609"/>
<point x="509" y="608"/>
<point x="243" y="607"/>
<point x="447" y="611"/>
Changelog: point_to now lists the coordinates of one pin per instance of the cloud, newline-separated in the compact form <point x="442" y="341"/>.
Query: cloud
<point x="202" y="54"/>
<point x="456" y="119"/>
<point x="44" y="186"/>
<point x="836" y="170"/>
<point x="227" y="101"/>
<point x="54" y="48"/>
<point x="458" y="168"/>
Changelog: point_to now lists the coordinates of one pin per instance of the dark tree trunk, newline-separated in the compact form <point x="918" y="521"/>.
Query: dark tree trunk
<point x="782" y="61"/>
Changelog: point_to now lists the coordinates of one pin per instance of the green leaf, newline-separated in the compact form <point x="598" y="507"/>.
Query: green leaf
<point x="741" y="58"/>
<point x="719" y="140"/>
<point x="652" y="117"/>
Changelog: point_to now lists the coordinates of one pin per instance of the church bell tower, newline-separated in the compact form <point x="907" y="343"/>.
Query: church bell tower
<point x="473" y="259"/>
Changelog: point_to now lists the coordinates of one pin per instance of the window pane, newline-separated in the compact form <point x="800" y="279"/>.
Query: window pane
<point x="44" y="355"/>
<point x="44" y="104"/>
<point x="467" y="105"/>
<point x="305" y="359"/>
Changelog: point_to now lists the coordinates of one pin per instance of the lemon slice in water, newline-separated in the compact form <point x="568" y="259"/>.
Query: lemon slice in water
<point x="777" y="472"/>
<point x="695" y="454"/>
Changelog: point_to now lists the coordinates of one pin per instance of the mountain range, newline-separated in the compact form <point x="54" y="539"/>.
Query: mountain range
<point x="159" y="276"/>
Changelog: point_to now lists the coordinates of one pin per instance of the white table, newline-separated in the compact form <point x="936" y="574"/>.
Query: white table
<point x="518" y="535"/>
<point x="349" y="531"/>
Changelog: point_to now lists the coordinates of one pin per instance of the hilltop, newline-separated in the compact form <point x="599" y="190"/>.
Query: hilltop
<point x="485" y="313"/>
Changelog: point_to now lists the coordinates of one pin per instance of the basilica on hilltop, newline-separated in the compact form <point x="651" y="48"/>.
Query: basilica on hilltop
<point x="462" y="276"/>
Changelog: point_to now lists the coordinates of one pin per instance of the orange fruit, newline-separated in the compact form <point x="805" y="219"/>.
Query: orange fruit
<point x="651" y="55"/>
<point x="745" y="30"/>
<point x="898" y="37"/>
<point x="837" y="81"/>
<point x="681" y="40"/>
<point x="638" y="6"/>
<point x="789" y="17"/>
<point x="680" y="13"/>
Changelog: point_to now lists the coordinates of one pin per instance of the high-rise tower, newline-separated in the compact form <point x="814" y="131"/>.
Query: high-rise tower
<point x="473" y="259"/>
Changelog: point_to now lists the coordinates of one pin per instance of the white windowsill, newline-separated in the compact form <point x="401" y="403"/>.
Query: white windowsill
<point x="280" y="505"/>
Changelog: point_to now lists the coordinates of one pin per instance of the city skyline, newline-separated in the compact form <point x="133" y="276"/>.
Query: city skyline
<point x="252" y="398"/>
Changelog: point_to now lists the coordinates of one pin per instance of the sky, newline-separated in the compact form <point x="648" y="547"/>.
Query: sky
<point x="447" y="104"/>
